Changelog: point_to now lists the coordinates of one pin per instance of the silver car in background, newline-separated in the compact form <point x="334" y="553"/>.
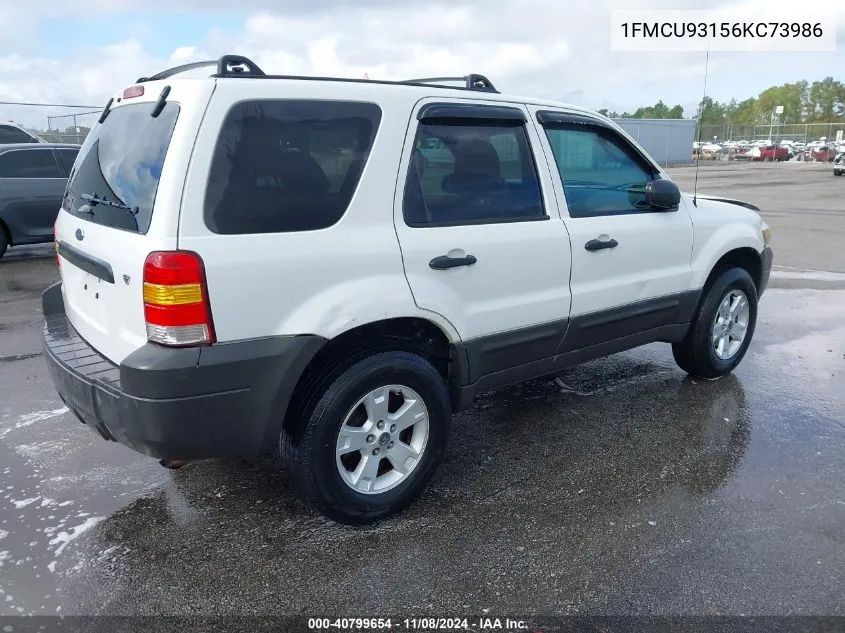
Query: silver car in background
<point x="33" y="176"/>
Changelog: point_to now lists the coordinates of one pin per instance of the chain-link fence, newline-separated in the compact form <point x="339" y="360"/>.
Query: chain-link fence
<point x="53" y="122"/>
<point x="70" y="128"/>
<point x="796" y="132"/>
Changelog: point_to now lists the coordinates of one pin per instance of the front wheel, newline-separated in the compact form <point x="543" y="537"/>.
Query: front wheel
<point x="723" y="327"/>
<point x="372" y="438"/>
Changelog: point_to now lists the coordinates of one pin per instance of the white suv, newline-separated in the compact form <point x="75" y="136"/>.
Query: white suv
<point x="326" y="269"/>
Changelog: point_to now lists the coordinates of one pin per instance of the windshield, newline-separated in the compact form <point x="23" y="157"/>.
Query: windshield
<point x="115" y="177"/>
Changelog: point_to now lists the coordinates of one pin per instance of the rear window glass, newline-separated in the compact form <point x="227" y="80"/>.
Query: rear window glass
<point x="10" y="134"/>
<point x="115" y="177"/>
<point x="287" y="165"/>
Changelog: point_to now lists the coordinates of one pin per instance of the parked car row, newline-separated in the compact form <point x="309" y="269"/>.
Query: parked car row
<point x="768" y="151"/>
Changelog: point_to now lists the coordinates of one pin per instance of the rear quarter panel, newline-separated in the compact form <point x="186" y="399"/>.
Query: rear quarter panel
<point x="110" y="316"/>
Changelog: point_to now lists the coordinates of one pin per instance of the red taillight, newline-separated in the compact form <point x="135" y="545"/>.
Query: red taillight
<point x="176" y="306"/>
<point x="134" y="91"/>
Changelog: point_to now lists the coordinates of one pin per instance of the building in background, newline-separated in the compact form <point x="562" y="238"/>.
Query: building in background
<point x="668" y="141"/>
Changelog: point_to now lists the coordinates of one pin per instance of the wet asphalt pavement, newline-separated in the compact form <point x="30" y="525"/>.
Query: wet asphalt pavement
<point x="622" y="486"/>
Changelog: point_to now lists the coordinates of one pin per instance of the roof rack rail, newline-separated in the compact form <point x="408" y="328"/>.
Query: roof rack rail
<point x="239" y="66"/>
<point x="227" y="66"/>
<point x="472" y="81"/>
<point x="164" y="74"/>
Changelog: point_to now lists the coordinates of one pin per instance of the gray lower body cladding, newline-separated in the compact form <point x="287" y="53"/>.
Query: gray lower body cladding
<point x="177" y="403"/>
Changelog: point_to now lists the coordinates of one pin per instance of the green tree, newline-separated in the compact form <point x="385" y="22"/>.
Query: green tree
<point x="826" y="100"/>
<point x="711" y="112"/>
<point x="743" y="112"/>
<point x="822" y="101"/>
<point x="659" y="111"/>
<point x="793" y="97"/>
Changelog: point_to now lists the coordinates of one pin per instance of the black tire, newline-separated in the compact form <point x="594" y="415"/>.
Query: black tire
<point x="4" y="240"/>
<point x="308" y="448"/>
<point x="695" y="354"/>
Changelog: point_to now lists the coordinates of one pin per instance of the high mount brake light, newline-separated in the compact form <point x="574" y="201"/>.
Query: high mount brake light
<point x="134" y="91"/>
<point x="176" y="306"/>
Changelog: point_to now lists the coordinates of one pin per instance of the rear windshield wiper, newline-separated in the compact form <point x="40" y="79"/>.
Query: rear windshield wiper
<point x="130" y="222"/>
<point x="94" y="199"/>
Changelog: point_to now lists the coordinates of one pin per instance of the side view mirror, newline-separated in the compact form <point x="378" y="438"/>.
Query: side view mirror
<point x="663" y="195"/>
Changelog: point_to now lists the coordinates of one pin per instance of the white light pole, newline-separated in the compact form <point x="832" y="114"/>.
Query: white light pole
<point x="778" y="110"/>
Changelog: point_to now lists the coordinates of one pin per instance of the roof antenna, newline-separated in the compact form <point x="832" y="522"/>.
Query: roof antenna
<point x="700" y="118"/>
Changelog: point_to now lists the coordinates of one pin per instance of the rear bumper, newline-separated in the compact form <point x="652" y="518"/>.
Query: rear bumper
<point x="766" y="258"/>
<point x="226" y="400"/>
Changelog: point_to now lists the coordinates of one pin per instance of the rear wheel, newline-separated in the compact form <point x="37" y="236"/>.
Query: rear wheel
<point x="371" y="439"/>
<point x="4" y="240"/>
<point x="723" y="327"/>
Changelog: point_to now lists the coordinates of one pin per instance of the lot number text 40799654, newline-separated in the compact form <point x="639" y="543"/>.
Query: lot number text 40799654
<point x="417" y="624"/>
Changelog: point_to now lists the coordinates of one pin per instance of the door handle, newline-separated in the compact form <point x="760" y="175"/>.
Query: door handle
<point x="443" y="262"/>
<point x="597" y="245"/>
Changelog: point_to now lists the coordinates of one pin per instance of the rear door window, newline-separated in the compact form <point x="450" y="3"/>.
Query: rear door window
<point x="471" y="172"/>
<point x="66" y="158"/>
<point x="120" y="163"/>
<point x="29" y="163"/>
<point x="288" y="165"/>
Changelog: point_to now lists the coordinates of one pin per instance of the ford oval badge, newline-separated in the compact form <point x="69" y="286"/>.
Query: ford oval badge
<point x="80" y="235"/>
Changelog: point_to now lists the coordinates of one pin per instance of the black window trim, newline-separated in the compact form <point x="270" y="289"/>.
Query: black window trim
<point x="438" y="225"/>
<point x="520" y="122"/>
<point x="59" y="167"/>
<point x="451" y="110"/>
<point x="555" y="119"/>
<point x="262" y="99"/>
<point x="570" y="120"/>
<point x="58" y="158"/>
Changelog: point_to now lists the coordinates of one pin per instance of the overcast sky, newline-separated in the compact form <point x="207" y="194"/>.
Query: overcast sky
<point x="81" y="51"/>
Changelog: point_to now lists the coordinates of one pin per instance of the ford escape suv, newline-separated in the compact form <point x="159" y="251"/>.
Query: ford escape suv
<point x="327" y="269"/>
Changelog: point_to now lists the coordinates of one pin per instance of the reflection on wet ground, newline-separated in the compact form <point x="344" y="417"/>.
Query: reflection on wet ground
<point x="620" y="486"/>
